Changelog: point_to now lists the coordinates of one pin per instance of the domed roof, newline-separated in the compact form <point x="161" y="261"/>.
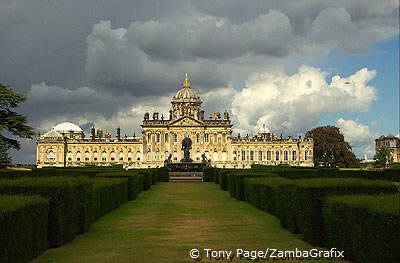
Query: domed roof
<point x="186" y="92"/>
<point x="66" y="127"/>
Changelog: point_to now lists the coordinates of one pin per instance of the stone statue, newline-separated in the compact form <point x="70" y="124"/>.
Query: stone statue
<point x="146" y="116"/>
<point x="217" y="115"/>
<point x="226" y="115"/>
<point x="168" y="160"/>
<point x="205" y="161"/>
<point x="186" y="146"/>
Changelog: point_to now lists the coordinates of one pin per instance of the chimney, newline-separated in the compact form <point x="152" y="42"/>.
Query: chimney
<point x="119" y="133"/>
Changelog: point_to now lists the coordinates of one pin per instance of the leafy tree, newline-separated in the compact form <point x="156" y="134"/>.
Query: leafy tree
<point x="11" y="123"/>
<point x="382" y="156"/>
<point x="330" y="148"/>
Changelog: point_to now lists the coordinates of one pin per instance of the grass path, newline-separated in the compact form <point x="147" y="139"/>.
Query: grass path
<point x="163" y="224"/>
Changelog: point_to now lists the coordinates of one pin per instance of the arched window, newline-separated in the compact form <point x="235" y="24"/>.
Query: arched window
<point x="129" y="156"/>
<point x="104" y="156"/>
<point x="51" y="155"/>
<point x="206" y="137"/>
<point x="294" y="157"/>
<point x="215" y="157"/>
<point x="166" y="137"/>
<point x="121" y="157"/>
<point x="95" y="156"/>
<point x="87" y="156"/>
<point x="277" y="155"/>
<point x="234" y="155"/>
<point x="69" y="156"/>
<point x="197" y="138"/>
<point x="175" y="156"/>
<point x="112" y="156"/>
<point x="157" y="138"/>
<point x="175" y="137"/>
<point x="78" y="156"/>
<point x="138" y="157"/>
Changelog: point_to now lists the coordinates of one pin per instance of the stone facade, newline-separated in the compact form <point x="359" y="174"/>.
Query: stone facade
<point x="391" y="143"/>
<point x="162" y="137"/>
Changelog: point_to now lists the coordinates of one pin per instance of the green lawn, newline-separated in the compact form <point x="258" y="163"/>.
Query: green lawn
<point x="163" y="224"/>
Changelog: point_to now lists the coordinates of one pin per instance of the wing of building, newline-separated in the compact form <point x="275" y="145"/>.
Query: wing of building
<point x="65" y="145"/>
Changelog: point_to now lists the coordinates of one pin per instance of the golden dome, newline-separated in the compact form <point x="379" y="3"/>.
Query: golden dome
<point x="186" y="92"/>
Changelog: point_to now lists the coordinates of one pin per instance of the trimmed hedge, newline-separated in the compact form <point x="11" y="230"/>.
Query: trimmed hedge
<point x="23" y="227"/>
<point x="134" y="184"/>
<point x="209" y="174"/>
<point x="70" y="199"/>
<point x="109" y="194"/>
<point x="303" y="201"/>
<point x="365" y="227"/>
<point x="264" y="192"/>
<point x="236" y="181"/>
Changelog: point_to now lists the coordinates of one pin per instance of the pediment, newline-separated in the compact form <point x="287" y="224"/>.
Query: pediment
<point x="186" y="121"/>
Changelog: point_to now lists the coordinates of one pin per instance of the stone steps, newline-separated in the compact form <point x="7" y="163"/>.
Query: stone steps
<point x="185" y="176"/>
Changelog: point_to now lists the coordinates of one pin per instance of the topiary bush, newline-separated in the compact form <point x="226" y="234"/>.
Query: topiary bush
<point x="366" y="227"/>
<point x="23" y="227"/>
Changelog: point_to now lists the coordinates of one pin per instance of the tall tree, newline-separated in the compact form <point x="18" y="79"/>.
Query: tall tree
<point x="383" y="156"/>
<point x="12" y="124"/>
<point x="330" y="148"/>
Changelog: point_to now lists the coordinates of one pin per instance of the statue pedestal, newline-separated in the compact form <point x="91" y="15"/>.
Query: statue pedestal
<point x="186" y="166"/>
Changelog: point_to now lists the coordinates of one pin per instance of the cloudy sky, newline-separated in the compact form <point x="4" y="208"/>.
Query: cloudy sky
<point x="292" y="65"/>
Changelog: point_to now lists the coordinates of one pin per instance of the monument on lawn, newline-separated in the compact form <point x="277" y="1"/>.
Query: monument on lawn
<point x="186" y="146"/>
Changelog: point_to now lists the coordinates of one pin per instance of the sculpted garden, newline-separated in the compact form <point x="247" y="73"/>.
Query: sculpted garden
<point x="112" y="215"/>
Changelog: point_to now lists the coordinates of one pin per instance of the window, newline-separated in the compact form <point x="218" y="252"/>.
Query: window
<point x="69" y="156"/>
<point x="87" y="156"/>
<point x="260" y="155"/>
<point x="148" y="137"/>
<point x="138" y="157"/>
<point x="305" y="155"/>
<point x="51" y="156"/>
<point x="175" y="156"/>
<point x="112" y="156"/>
<point x="234" y="155"/>
<point x="197" y="138"/>
<point x="251" y="155"/>
<point x="78" y="156"/>
<point x="121" y="157"/>
<point x="208" y="155"/>
<point x="285" y="155"/>
<point x="294" y="157"/>
<point x="157" y="155"/>
<point x="215" y="156"/>
<point x="175" y="137"/>
<point x="206" y="137"/>
<point x="277" y="155"/>
<point x="215" y="138"/>
<point x="166" y="155"/>
<point x="104" y="156"/>
<point x="166" y="137"/>
<point x="148" y="156"/>
<point x="95" y="156"/>
<point x="268" y="155"/>
<point x="224" y="138"/>
<point x="224" y="156"/>
<point x="157" y="138"/>
<point x="243" y="155"/>
<point x="198" y="156"/>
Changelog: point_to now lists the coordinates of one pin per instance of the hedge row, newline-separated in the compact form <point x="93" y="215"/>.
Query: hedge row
<point x="299" y="203"/>
<point x="23" y="227"/>
<point x="69" y="200"/>
<point x="108" y="194"/>
<point x="365" y="227"/>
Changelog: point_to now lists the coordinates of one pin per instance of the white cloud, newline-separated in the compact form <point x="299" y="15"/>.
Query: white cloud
<point x="292" y="104"/>
<point x="359" y="136"/>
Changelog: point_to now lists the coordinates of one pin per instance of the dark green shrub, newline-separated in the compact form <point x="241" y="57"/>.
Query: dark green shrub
<point x="109" y="194"/>
<point x="23" y="227"/>
<point x="365" y="227"/>
<point x="162" y="174"/>
<point x="70" y="209"/>
<point x="236" y="181"/>
<point x="264" y="193"/>
<point x="209" y="174"/>
<point x="304" y="200"/>
<point x="132" y="182"/>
